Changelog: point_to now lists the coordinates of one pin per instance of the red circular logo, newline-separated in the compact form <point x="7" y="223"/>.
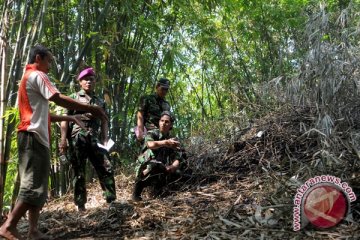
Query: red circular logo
<point x="325" y="206"/>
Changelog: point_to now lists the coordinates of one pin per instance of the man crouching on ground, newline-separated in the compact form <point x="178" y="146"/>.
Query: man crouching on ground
<point x="160" y="160"/>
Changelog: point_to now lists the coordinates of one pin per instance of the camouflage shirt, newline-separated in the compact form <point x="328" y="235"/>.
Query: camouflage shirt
<point x="164" y="154"/>
<point x="152" y="106"/>
<point x="92" y="124"/>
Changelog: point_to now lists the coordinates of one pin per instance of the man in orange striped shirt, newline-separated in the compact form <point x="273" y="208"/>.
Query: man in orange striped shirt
<point x="35" y="92"/>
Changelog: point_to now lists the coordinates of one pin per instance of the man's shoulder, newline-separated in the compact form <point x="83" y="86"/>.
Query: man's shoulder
<point x="155" y="134"/>
<point x="165" y="105"/>
<point x="155" y="131"/>
<point x="149" y="96"/>
<point x="151" y="135"/>
<point x="31" y="72"/>
<point x="36" y="74"/>
<point x="149" y="99"/>
<point x="39" y="81"/>
<point x="166" y="102"/>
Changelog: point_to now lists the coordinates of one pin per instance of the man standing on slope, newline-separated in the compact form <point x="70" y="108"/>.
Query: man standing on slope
<point x="83" y="143"/>
<point x="35" y="91"/>
<point x="150" y="108"/>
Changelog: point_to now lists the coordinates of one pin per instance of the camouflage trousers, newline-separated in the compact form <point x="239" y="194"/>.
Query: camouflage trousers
<point x="83" y="148"/>
<point x="156" y="169"/>
<point x="147" y="161"/>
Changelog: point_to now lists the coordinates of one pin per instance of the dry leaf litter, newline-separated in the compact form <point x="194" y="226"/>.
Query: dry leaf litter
<point x="239" y="189"/>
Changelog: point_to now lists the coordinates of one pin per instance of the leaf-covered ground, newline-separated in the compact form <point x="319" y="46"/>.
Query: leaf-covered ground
<point x="239" y="189"/>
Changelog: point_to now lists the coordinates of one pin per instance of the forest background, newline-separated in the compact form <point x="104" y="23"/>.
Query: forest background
<point x="229" y="62"/>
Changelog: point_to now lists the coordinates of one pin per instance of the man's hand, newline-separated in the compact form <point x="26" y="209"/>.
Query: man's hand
<point x="78" y="120"/>
<point x="171" y="169"/>
<point x="69" y="103"/>
<point x="98" y="112"/>
<point x="63" y="146"/>
<point x="105" y="142"/>
<point x="173" y="143"/>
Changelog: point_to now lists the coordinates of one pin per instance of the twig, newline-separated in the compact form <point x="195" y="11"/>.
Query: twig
<point x="233" y="206"/>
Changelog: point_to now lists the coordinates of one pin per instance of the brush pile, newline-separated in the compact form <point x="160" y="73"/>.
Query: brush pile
<point x="239" y="189"/>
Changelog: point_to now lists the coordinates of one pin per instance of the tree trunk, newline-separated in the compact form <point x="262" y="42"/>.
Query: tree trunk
<point x="15" y="190"/>
<point x="99" y="21"/>
<point x="3" y="63"/>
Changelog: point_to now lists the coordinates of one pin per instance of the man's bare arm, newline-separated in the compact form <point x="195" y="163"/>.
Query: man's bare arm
<point x="69" y="103"/>
<point x="65" y="119"/>
<point x="170" y="143"/>
<point x="140" y="125"/>
<point x="173" y="167"/>
<point x="104" y="132"/>
<point x="64" y="126"/>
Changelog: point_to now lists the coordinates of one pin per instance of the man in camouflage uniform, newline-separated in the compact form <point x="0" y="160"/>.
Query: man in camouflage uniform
<point x="150" y="108"/>
<point x="83" y="143"/>
<point x="161" y="158"/>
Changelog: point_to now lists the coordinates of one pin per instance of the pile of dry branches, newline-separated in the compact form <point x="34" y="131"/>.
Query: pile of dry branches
<point x="275" y="157"/>
<point x="240" y="189"/>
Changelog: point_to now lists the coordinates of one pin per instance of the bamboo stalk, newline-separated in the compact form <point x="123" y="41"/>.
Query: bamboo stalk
<point x="3" y="77"/>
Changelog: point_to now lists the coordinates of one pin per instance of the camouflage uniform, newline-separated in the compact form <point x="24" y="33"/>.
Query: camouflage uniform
<point x="83" y="145"/>
<point x="155" y="161"/>
<point x="152" y="106"/>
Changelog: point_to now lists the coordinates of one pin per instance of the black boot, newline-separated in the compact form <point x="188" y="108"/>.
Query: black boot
<point x="158" y="183"/>
<point x="138" y="188"/>
<point x="81" y="208"/>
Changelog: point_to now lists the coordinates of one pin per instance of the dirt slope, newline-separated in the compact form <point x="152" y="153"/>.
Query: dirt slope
<point x="239" y="189"/>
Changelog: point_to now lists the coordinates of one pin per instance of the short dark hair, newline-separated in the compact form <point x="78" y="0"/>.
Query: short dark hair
<point x="168" y="113"/>
<point x="38" y="50"/>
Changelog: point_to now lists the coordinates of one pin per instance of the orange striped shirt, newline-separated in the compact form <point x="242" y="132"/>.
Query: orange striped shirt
<point x="33" y="96"/>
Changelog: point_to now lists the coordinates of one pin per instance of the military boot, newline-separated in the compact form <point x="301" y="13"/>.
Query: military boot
<point x="109" y="197"/>
<point x="81" y="208"/>
<point x="138" y="188"/>
<point x="158" y="182"/>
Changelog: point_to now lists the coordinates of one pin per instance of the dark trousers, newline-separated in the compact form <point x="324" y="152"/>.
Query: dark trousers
<point x="84" y="148"/>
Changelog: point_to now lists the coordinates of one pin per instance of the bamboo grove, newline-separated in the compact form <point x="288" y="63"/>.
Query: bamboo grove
<point x="223" y="58"/>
